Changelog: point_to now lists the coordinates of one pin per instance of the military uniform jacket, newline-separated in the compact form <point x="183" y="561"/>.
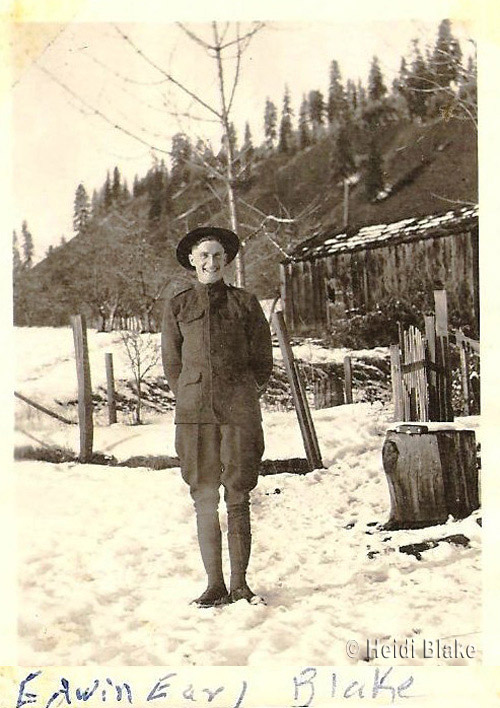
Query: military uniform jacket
<point x="216" y="353"/>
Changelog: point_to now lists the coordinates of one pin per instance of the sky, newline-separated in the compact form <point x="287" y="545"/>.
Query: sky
<point x="58" y="141"/>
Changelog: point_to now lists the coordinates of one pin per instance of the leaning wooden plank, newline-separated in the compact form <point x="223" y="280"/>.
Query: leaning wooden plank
<point x="300" y="403"/>
<point x="41" y="408"/>
<point x="318" y="463"/>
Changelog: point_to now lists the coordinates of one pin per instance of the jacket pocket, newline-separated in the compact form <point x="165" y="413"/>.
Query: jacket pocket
<point x="190" y="314"/>
<point x="188" y="399"/>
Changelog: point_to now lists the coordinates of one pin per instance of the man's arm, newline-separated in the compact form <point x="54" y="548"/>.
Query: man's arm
<point x="261" y="348"/>
<point x="171" y="344"/>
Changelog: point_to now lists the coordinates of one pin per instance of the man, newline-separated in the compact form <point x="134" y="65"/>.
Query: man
<point x="217" y="357"/>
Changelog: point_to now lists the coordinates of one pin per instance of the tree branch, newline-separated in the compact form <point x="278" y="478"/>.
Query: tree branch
<point x="236" y="74"/>
<point x="262" y="228"/>
<point x="248" y="36"/>
<point x="195" y="37"/>
<point x="462" y="202"/>
<point x="120" y="76"/>
<point x="215" y="193"/>
<point x="166" y="74"/>
<point x="99" y="113"/>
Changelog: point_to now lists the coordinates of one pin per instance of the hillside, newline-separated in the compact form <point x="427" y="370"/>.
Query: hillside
<point x="124" y="264"/>
<point x="429" y="167"/>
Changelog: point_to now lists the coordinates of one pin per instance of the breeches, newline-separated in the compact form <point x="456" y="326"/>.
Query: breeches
<point x="212" y="455"/>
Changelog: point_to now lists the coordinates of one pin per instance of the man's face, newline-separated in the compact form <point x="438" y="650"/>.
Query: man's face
<point x="209" y="260"/>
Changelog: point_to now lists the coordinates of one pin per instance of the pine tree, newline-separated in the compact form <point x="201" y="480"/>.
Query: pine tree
<point x="155" y="195"/>
<point x="116" y="187"/>
<point x="180" y="153"/>
<point x="233" y="139"/>
<point x="125" y="193"/>
<point x="247" y="152"/>
<point x="417" y="85"/>
<point x="27" y="246"/>
<point x="285" y="138"/>
<point x="446" y="57"/>
<point x="337" y="103"/>
<point x="351" y="96"/>
<point x="374" y="174"/>
<point x="20" y="286"/>
<point x="16" y="257"/>
<point x="108" y="194"/>
<point x="361" y="97"/>
<point x="316" y="111"/>
<point x="204" y="154"/>
<point x="81" y="210"/>
<point x="376" y="87"/>
<point x="94" y="205"/>
<point x="378" y="109"/>
<point x="304" y="131"/>
<point x="342" y="163"/>
<point x="400" y="83"/>
<point x="248" y="147"/>
<point x="270" y="121"/>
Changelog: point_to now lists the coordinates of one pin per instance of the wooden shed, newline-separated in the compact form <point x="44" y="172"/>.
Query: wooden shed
<point x="336" y="272"/>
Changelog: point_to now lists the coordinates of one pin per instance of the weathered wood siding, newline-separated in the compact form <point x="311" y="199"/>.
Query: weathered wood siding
<point x="362" y="278"/>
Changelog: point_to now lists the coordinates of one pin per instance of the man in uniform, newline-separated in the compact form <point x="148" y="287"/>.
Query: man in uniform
<point x="217" y="358"/>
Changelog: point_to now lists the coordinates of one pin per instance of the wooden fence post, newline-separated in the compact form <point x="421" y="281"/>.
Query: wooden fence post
<point x="328" y="392"/>
<point x="464" y="371"/>
<point x="443" y="355"/>
<point x="84" y="387"/>
<point x="311" y="446"/>
<point x="430" y="336"/>
<point x="110" y="381"/>
<point x="397" y="382"/>
<point x="348" y="379"/>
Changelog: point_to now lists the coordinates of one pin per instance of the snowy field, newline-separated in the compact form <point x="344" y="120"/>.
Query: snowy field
<point x="108" y="558"/>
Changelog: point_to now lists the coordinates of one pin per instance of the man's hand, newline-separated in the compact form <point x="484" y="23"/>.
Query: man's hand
<point x="261" y="389"/>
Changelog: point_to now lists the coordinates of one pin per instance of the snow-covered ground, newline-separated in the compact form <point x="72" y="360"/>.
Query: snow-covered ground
<point x="108" y="558"/>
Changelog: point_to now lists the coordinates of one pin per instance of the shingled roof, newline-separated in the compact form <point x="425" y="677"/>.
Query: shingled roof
<point x="378" y="235"/>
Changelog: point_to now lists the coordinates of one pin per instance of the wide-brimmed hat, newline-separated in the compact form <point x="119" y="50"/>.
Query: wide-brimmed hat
<point x="228" y="239"/>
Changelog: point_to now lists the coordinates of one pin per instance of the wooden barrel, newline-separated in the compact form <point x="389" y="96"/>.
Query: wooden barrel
<point x="432" y="473"/>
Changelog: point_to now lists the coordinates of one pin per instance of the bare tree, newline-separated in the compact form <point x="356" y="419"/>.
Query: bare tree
<point x="226" y="47"/>
<point x="218" y="48"/>
<point x="143" y="354"/>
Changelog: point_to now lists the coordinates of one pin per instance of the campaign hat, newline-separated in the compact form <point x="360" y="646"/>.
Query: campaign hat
<point x="227" y="238"/>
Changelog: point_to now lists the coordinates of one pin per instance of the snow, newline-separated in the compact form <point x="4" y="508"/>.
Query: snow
<point x="108" y="558"/>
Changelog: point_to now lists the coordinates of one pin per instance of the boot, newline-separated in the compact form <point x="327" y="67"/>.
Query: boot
<point x="209" y="540"/>
<point x="239" y="542"/>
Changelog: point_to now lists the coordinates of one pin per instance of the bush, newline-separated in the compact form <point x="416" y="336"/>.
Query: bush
<point x="378" y="327"/>
<point x="52" y="454"/>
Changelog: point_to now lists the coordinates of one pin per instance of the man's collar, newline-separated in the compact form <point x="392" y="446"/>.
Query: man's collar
<point x="209" y="288"/>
